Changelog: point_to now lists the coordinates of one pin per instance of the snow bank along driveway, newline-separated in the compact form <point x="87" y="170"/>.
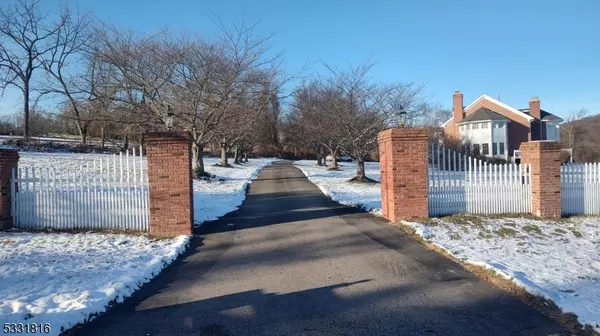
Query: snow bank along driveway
<point x="557" y="260"/>
<point x="225" y="193"/>
<point x="62" y="278"/>
<point x="334" y="185"/>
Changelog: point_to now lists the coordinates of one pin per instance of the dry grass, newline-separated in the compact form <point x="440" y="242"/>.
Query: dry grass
<point x="532" y="229"/>
<point x="77" y="231"/>
<point x="506" y="232"/>
<point x="576" y="233"/>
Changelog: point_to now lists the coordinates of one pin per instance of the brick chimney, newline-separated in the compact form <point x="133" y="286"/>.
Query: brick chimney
<point x="458" y="111"/>
<point x="534" y="108"/>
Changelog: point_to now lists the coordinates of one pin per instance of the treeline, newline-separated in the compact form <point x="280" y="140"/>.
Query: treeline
<point x="116" y="84"/>
<point x="580" y="134"/>
<point x="342" y="113"/>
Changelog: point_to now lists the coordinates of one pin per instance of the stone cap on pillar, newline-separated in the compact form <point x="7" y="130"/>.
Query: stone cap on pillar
<point x="543" y="145"/>
<point x="9" y="155"/>
<point x="178" y="136"/>
<point x="403" y="134"/>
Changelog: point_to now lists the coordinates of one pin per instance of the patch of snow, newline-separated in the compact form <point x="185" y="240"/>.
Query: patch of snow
<point x="225" y="193"/>
<point x="334" y="184"/>
<point x="557" y="260"/>
<point x="62" y="278"/>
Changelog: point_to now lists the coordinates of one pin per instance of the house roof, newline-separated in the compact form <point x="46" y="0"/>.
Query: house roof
<point x="497" y="102"/>
<point x="484" y="114"/>
<point x="547" y="116"/>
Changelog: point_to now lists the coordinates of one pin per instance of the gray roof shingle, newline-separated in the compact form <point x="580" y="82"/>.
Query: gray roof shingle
<point x="484" y="114"/>
<point x="544" y="114"/>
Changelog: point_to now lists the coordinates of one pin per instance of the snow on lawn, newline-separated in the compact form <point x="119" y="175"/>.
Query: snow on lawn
<point x="557" y="260"/>
<point x="225" y="193"/>
<point x="62" y="278"/>
<point x="334" y="185"/>
<point x="212" y="199"/>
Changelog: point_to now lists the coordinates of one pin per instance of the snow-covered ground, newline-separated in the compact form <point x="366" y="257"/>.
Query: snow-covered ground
<point x="62" y="278"/>
<point x="334" y="185"/>
<point x="557" y="260"/>
<point x="225" y="193"/>
<point x="212" y="199"/>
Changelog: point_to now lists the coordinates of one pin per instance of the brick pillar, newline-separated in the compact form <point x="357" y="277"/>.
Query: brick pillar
<point x="9" y="159"/>
<point x="544" y="157"/>
<point x="170" y="183"/>
<point x="403" y="162"/>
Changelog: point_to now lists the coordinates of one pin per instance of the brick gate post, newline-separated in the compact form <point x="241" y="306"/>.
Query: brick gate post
<point x="544" y="157"/>
<point x="403" y="164"/>
<point x="170" y="183"/>
<point x="9" y="159"/>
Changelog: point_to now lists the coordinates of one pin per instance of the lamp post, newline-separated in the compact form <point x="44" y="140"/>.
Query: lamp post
<point x="402" y="114"/>
<point x="169" y="118"/>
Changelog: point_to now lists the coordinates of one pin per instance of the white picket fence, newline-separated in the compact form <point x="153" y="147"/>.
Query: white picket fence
<point x="580" y="188"/>
<point x="459" y="183"/>
<point x="103" y="194"/>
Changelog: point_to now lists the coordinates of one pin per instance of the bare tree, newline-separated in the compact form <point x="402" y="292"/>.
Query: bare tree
<point x="25" y="35"/>
<point x="62" y="64"/>
<point x="242" y="116"/>
<point x="572" y="130"/>
<point x="140" y="69"/>
<point x="201" y="86"/>
<point x="221" y="85"/>
<point x="308" y="126"/>
<point x="316" y="108"/>
<point x="367" y="107"/>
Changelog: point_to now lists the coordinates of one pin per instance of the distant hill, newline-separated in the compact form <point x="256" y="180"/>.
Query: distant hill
<point x="585" y="135"/>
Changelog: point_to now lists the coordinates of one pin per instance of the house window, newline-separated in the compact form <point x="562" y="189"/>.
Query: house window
<point x="484" y="125"/>
<point x="494" y="149"/>
<point x="476" y="150"/>
<point x="485" y="149"/>
<point x="500" y="125"/>
<point x="476" y="126"/>
<point x="502" y="148"/>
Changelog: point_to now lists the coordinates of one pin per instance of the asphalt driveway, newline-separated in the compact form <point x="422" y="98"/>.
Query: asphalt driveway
<point x="292" y="262"/>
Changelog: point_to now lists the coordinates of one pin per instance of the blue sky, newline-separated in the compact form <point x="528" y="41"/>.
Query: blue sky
<point x="511" y="49"/>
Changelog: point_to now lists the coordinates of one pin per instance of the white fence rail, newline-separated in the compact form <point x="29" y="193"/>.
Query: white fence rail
<point x="105" y="194"/>
<point x="580" y="188"/>
<point x="459" y="183"/>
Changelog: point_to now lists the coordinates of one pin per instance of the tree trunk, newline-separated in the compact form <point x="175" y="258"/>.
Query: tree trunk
<point x="319" y="160"/>
<point x="224" y="162"/>
<point x="197" y="162"/>
<point x="245" y="157"/>
<point x="360" y="170"/>
<point x="102" y="137"/>
<point x="26" y="111"/>
<point x="334" y="160"/>
<point x="195" y="155"/>
<point x="126" y="143"/>
<point x="236" y="155"/>
<point x="83" y="131"/>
